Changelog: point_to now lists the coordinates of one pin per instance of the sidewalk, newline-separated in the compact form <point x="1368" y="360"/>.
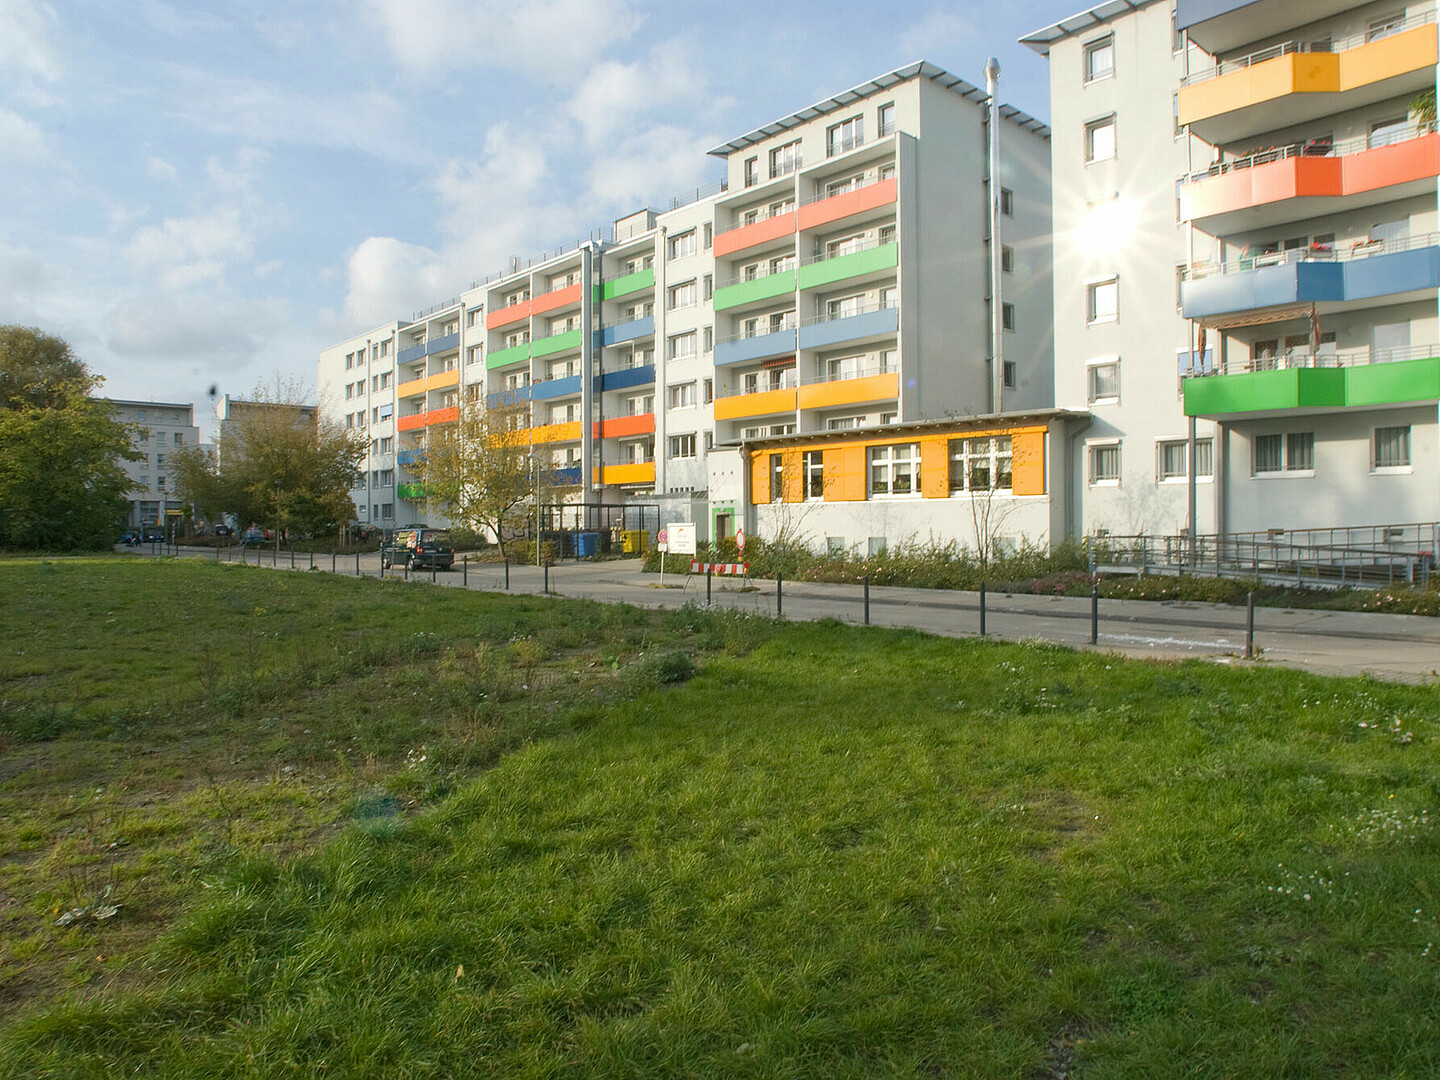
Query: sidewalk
<point x="1403" y="648"/>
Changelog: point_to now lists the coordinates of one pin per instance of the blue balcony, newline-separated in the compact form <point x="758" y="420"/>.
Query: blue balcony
<point x="442" y="344"/>
<point x="566" y="477"/>
<point x="879" y="323"/>
<point x="1318" y="282"/>
<point x="624" y="380"/>
<point x="760" y="347"/>
<point x="409" y="457"/>
<point x="414" y="352"/>
<point x="628" y="331"/>
<point x="555" y="388"/>
<point x="504" y="399"/>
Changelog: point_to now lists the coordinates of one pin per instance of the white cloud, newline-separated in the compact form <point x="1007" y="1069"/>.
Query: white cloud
<point x="157" y="168"/>
<point x="550" y="35"/>
<point x="27" y="53"/>
<point x="389" y="278"/>
<point x="614" y="94"/>
<point x="196" y="327"/>
<point x="22" y="139"/>
<point x="22" y="273"/>
<point x="938" y="35"/>
<point x="187" y="251"/>
<point x="662" y="161"/>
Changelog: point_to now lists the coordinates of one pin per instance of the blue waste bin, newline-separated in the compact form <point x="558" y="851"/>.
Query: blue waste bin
<point x="586" y="544"/>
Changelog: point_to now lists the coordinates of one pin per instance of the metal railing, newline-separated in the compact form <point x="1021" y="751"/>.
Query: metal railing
<point x="851" y="248"/>
<point x="1240" y="63"/>
<point x="844" y="145"/>
<point x="1327" y="558"/>
<point x="762" y="330"/>
<point x="760" y="275"/>
<point x="1360" y="249"/>
<point x="1319" y="147"/>
<point x="1304" y="357"/>
<point x="846" y="376"/>
<point x="869" y="180"/>
<point x="786" y="167"/>
<point x="763" y="214"/>
<point x="866" y="308"/>
<point x="433" y="308"/>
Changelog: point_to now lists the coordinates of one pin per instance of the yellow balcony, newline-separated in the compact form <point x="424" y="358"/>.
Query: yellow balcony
<point x="865" y="390"/>
<point x="639" y="473"/>
<point x="761" y="403"/>
<point x="547" y="433"/>
<point x="1259" y="93"/>
<point x="442" y="381"/>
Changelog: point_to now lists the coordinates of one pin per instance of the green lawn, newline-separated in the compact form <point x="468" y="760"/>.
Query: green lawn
<point x="378" y="829"/>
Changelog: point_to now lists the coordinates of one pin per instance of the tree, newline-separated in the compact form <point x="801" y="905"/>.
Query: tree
<point x="61" y="484"/>
<point x="277" y="463"/>
<point x="482" y="473"/>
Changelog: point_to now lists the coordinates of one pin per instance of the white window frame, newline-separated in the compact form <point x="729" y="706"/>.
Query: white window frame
<point x="1092" y="450"/>
<point x="1093" y="315"/>
<point x="1096" y="152"/>
<point x="1397" y="467"/>
<point x="1096" y="48"/>
<point x="682" y="446"/>
<point x="1093" y="373"/>
<point x="1204" y="447"/>
<point x="896" y="463"/>
<point x="996" y="452"/>
<point x="683" y="346"/>
<point x="812" y="473"/>
<point x="681" y="396"/>
<point x="682" y="245"/>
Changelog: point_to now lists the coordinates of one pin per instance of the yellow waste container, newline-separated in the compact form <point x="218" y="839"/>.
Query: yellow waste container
<point x="634" y="541"/>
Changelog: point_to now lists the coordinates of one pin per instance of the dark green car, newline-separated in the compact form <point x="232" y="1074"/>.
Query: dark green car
<point x="418" y="548"/>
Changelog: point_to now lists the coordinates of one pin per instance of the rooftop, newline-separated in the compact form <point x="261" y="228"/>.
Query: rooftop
<point x="1099" y="15"/>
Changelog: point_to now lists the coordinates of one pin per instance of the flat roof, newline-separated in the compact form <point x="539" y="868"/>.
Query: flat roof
<point x="1042" y="39"/>
<point x="151" y="404"/>
<point x="919" y="69"/>
<point x="916" y="427"/>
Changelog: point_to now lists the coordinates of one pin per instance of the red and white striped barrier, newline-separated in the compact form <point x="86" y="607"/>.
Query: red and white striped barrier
<point x="719" y="567"/>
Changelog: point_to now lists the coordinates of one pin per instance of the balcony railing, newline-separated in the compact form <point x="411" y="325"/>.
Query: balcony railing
<point x="861" y="373"/>
<point x="1322" y="148"/>
<point x="760" y="275"/>
<point x="850" y="312"/>
<point x="790" y="382"/>
<point x="1360" y="249"/>
<point x="887" y="128"/>
<point x="786" y="167"/>
<point x="1240" y="63"/>
<point x="1305" y="357"/>
<point x="762" y="330"/>
<point x="848" y="249"/>
<point x="761" y="215"/>
<point x="841" y="146"/>
<point x="870" y="180"/>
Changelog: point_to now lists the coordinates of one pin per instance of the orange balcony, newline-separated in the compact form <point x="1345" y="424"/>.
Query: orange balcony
<point x="639" y="473"/>
<point x="546" y="433"/>
<point x="1277" y="87"/>
<point x="448" y="415"/>
<point x="761" y="403"/>
<point x="1244" y="198"/>
<point x="870" y="197"/>
<point x="506" y="315"/>
<point x="748" y="236"/>
<point x="865" y="390"/>
<point x="557" y="299"/>
<point x="624" y="426"/>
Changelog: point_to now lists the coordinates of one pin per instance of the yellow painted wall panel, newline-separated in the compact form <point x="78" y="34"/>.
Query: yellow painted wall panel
<point x="793" y="482"/>
<point x="1027" y="462"/>
<point x="759" y="479"/>
<point x="849" y="483"/>
<point x="1410" y="50"/>
<point x="935" y="467"/>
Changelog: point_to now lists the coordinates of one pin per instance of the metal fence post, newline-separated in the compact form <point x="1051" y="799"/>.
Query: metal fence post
<point x="708" y="567"/>
<point x="334" y="555"/>
<point x="1249" y="626"/>
<point x="357" y="564"/>
<point x="547" y="578"/>
<point x="982" y="605"/>
<point x="779" y="594"/>
<point x="292" y="558"/>
<point x="1094" y="613"/>
<point x="867" y="599"/>
<point x="507" y="573"/>
<point x="465" y="571"/>
<point x="434" y="566"/>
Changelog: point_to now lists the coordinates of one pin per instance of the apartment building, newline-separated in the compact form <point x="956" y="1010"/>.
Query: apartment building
<point x="836" y="278"/>
<point x="1245" y="246"/>
<point x="1316" y="282"/>
<point x="162" y="429"/>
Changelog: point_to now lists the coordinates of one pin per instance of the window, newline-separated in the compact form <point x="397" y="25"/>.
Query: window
<point x="1007" y="315"/>
<point x="777" y="477"/>
<point x="844" y="307"/>
<point x="563" y="324"/>
<point x="889" y="418"/>
<point x="640" y="404"/>
<point x="895" y="470"/>
<point x="844" y="246"/>
<point x="709" y="235"/>
<point x="385" y="348"/>
<point x="813" y="472"/>
<point x="885" y="120"/>
<point x="472" y="317"/>
<point x="349" y="391"/>
<point x="844" y="423"/>
<point x="681" y="397"/>
<point x="1385" y="132"/>
<point x="472" y="354"/>
<point x="179" y="438"/>
<point x="1105" y="463"/>
<point x="1008" y="374"/>
<point x="835" y="545"/>
<point x="1104" y="382"/>
<point x="1391" y="448"/>
<point x="682" y="345"/>
<point x="785" y="159"/>
<point x="1100" y="59"/>
<point x="708" y="289"/>
<point x="1102" y="301"/>
<point x="709" y="338"/>
<point x="708" y="387"/>
<point x="1177" y="36"/>
<point x="1173" y="455"/>
<point x="980" y="464"/>
<point x="1100" y="140"/>
<point x="1294" y="452"/>
<point x="387" y="444"/>
<point x="349" y="363"/>
<point x="517" y="337"/>
<point x="845" y="135"/>
<point x="159" y="459"/>
<point x="1380" y="28"/>
<point x="682" y="245"/>
<point x="752" y="171"/>
<point x="1007" y="202"/>
<point x="1007" y="259"/>
<point x="683" y="295"/>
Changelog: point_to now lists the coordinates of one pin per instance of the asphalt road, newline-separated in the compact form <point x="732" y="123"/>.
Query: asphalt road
<point x="1398" y="647"/>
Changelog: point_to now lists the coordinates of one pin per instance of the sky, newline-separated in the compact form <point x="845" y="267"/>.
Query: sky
<point x="200" y="196"/>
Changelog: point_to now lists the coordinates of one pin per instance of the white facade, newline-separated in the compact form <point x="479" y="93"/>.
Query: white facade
<point x="165" y="428"/>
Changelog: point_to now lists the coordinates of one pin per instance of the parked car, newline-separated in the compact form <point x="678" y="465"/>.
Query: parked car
<point x="130" y="538"/>
<point x="223" y="530"/>
<point x="252" y="538"/>
<point x="153" y="536"/>
<point x="418" y="547"/>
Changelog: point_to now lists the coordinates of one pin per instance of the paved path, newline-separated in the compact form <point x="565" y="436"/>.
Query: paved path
<point x="1399" y="647"/>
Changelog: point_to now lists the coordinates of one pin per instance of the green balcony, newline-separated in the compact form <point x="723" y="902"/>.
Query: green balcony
<point x="411" y="491"/>
<point x="1261" y="392"/>
<point x="748" y="292"/>
<point x="501" y="357"/>
<point x="555" y="343"/>
<point x="857" y="263"/>
<point x="630" y="283"/>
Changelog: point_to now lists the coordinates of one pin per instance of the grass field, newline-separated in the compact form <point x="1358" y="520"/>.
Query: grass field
<point x="354" y="828"/>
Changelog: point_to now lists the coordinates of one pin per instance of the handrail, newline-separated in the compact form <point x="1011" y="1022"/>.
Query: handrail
<point x="1305" y="357"/>
<point x="787" y="385"/>
<point x="741" y="279"/>
<point x="790" y="324"/>
<point x="1240" y="63"/>
<point x="1321" y="148"/>
<point x="1360" y="249"/>
<point x="866" y="308"/>
<point x="864" y="245"/>
<point x="863" y="373"/>
<point x="871" y="178"/>
<point x="763" y="214"/>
